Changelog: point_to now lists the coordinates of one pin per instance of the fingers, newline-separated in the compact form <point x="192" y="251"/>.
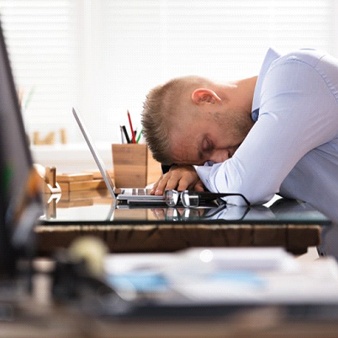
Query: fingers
<point x="186" y="182"/>
<point x="167" y="182"/>
<point x="154" y="187"/>
<point x="179" y="178"/>
<point x="199" y="186"/>
<point x="159" y="213"/>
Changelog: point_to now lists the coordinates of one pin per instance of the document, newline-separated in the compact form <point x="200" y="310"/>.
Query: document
<point x="225" y="275"/>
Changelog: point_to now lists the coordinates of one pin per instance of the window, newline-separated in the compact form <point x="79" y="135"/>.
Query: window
<point x="103" y="56"/>
<point x="42" y="46"/>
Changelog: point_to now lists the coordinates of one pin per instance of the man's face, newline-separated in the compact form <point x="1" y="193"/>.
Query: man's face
<point x="210" y="136"/>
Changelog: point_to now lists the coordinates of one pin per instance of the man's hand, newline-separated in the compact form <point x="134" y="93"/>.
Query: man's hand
<point x="179" y="178"/>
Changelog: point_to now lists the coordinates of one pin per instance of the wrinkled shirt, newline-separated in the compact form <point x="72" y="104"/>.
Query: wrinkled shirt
<point x="292" y="149"/>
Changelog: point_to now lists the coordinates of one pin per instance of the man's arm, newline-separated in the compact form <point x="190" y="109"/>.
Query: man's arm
<point x="298" y="113"/>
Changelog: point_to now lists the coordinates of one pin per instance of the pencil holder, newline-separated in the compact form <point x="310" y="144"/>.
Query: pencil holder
<point x="134" y="166"/>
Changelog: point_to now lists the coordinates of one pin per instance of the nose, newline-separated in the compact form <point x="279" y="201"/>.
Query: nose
<point x="219" y="156"/>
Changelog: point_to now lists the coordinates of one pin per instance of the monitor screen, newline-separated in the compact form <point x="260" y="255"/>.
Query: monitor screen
<point x="20" y="200"/>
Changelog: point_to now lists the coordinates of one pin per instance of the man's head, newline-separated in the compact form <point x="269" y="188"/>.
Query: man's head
<point x="192" y="120"/>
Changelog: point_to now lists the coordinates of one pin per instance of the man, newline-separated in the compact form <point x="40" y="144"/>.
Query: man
<point x="275" y="133"/>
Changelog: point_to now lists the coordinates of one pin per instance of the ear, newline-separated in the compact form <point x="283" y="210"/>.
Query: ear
<point x="205" y="95"/>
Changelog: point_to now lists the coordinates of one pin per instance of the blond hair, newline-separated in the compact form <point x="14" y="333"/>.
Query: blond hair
<point x="163" y="105"/>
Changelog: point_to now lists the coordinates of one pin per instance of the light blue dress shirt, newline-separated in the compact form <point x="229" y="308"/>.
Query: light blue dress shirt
<point x="292" y="148"/>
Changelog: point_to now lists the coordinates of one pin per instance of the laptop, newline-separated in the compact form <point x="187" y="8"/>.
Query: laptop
<point x="126" y="196"/>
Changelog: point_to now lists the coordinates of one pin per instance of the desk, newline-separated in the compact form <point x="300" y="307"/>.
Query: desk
<point x="289" y="224"/>
<point x="263" y="323"/>
<point x="41" y="318"/>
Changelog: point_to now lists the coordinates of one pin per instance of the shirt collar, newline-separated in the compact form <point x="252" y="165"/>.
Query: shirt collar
<point x="270" y="56"/>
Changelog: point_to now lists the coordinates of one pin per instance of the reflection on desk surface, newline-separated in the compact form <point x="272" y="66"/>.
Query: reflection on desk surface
<point x="103" y="211"/>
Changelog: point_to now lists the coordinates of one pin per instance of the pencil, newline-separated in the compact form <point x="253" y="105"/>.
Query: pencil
<point x="139" y="136"/>
<point x="126" y="134"/>
<point x="131" y="128"/>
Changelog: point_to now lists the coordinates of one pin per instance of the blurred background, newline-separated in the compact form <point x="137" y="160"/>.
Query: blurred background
<point x="103" y="56"/>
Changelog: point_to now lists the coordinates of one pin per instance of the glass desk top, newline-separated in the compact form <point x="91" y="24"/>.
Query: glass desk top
<point x="285" y="223"/>
<point x="102" y="211"/>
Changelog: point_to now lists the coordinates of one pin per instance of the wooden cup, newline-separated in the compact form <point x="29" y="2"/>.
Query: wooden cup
<point x="134" y="166"/>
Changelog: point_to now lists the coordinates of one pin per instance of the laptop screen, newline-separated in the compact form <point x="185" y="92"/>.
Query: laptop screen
<point x="20" y="200"/>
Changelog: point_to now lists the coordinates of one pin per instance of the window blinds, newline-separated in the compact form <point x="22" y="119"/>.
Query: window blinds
<point x="105" y="55"/>
<point x="41" y="38"/>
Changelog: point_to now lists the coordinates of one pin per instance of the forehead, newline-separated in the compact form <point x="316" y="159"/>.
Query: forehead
<point x="186" y="137"/>
<point x="186" y="148"/>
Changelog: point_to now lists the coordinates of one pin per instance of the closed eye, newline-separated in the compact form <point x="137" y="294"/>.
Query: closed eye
<point x="207" y="145"/>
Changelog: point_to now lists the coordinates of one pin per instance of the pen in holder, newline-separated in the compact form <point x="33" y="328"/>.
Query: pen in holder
<point x="134" y="166"/>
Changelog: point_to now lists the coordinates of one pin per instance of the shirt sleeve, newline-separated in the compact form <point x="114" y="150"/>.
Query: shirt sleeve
<point x="298" y="112"/>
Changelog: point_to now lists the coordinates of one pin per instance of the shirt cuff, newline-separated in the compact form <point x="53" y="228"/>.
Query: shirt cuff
<point x="203" y="173"/>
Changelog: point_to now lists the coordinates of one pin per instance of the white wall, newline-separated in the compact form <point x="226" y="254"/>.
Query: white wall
<point x="71" y="158"/>
<point x="103" y="56"/>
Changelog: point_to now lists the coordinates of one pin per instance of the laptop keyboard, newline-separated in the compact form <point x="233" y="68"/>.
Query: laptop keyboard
<point x="139" y="192"/>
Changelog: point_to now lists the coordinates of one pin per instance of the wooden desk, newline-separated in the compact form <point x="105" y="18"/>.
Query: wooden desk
<point x="289" y="224"/>
<point x="166" y="237"/>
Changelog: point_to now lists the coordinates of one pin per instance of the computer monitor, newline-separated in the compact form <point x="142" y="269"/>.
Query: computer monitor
<point x="20" y="199"/>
